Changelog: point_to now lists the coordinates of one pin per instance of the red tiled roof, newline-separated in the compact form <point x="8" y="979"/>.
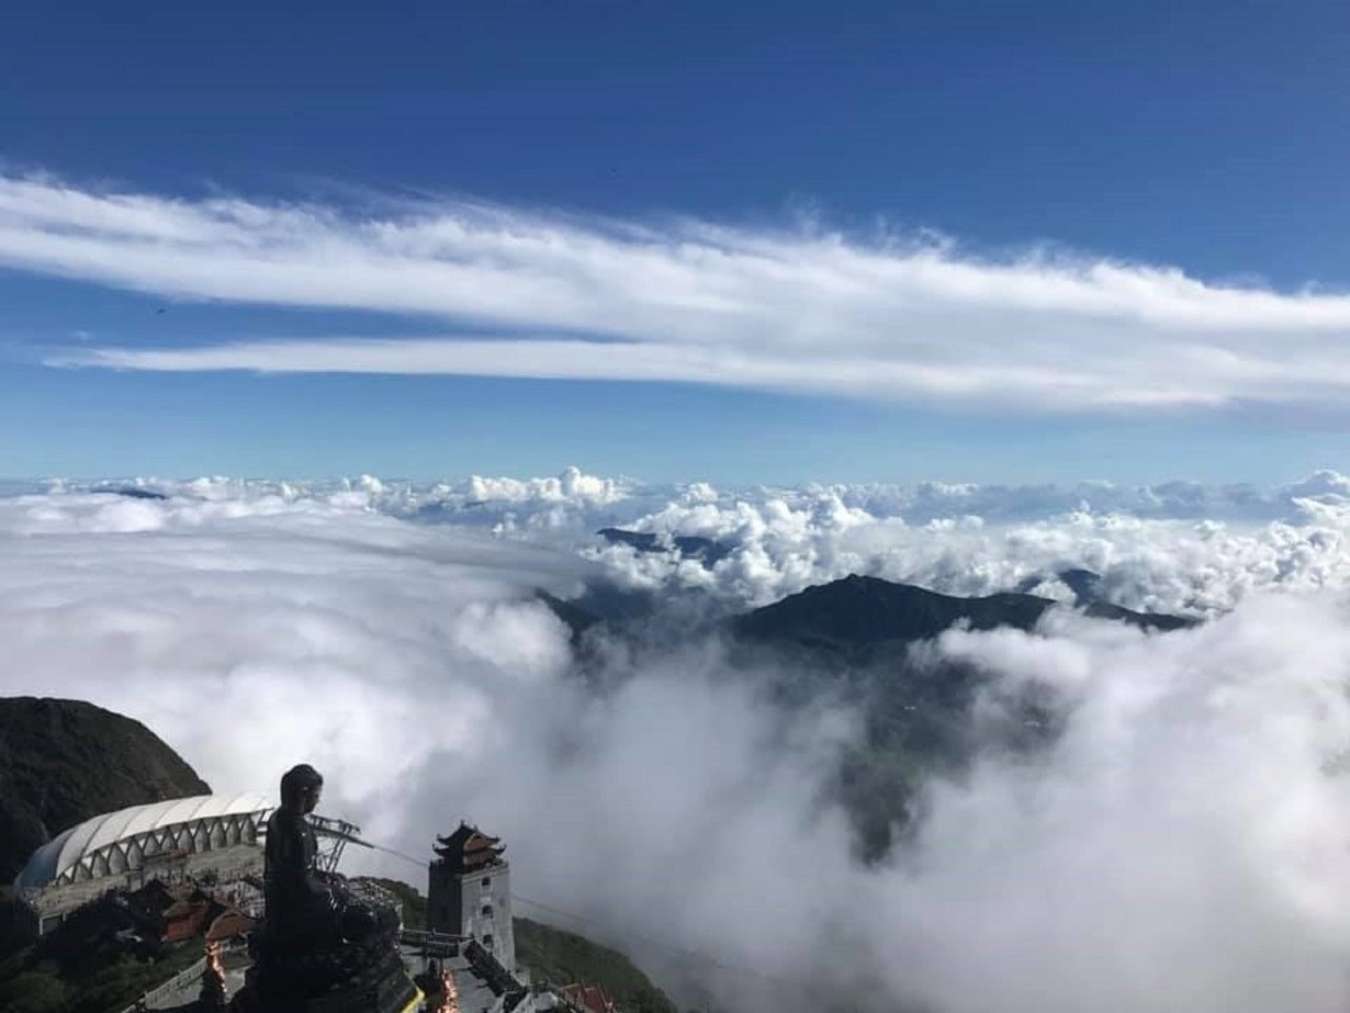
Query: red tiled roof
<point x="229" y="924"/>
<point x="185" y="920"/>
<point x="589" y="997"/>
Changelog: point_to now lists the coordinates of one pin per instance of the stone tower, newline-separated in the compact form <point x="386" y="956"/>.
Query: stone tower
<point x="469" y="892"/>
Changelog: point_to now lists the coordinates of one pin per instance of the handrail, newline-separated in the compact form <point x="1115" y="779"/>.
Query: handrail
<point x="426" y="937"/>
<point x="188" y="974"/>
<point x="183" y="977"/>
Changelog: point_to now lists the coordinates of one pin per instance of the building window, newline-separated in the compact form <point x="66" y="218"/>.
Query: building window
<point x="487" y="910"/>
<point x="487" y="881"/>
<point x="487" y="940"/>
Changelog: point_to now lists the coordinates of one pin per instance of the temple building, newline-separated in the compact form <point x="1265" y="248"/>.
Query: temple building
<point x="469" y="892"/>
<point x="186" y="873"/>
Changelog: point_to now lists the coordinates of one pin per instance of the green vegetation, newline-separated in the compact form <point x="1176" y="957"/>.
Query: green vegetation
<point x="561" y="958"/>
<point x="414" y="904"/>
<point x="38" y="980"/>
<point x="557" y="957"/>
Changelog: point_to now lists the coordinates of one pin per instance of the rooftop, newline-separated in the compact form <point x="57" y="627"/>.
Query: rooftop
<point x="64" y="853"/>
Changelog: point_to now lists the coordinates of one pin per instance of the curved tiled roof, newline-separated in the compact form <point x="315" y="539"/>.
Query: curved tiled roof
<point x="63" y="852"/>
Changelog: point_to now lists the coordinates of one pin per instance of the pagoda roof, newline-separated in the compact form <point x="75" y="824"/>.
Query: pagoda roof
<point x="469" y="848"/>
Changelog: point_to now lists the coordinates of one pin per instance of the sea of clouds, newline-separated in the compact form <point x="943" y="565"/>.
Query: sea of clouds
<point x="1176" y="547"/>
<point x="1183" y="845"/>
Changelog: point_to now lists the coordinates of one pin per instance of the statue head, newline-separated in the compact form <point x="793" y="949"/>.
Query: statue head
<point x="301" y="787"/>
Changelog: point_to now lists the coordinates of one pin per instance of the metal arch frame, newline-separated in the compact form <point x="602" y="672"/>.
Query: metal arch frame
<point x="334" y="835"/>
<point x="196" y="836"/>
<point x="129" y="854"/>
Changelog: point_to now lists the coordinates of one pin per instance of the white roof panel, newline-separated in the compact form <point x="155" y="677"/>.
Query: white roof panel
<point x="67" y="848"/>
<point x="142" y="819"/>
<point x="112" y="827"/>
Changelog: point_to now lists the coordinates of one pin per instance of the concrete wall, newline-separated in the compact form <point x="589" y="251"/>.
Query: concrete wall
<point x="477" y="904"/>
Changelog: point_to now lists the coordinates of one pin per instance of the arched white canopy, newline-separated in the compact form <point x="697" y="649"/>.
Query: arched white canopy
<point x="116" y="842"/>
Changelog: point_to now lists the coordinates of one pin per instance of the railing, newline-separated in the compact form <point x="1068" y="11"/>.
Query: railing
<point x="179" y="981"/>
<point x="184" y="977"/>
<point x="431" y="940"/>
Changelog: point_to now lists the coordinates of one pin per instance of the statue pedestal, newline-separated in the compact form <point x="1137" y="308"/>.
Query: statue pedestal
<point x="346" y="976"/>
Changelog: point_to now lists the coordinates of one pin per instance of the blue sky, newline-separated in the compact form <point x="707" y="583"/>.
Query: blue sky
<point x="774" y="175"/>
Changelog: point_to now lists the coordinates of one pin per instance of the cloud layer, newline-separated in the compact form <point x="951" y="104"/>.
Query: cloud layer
<point x="782" y="541"/>
<point x="534" y="294"/>
<point x="1178" y="547"/>
<point x="1180" y="847"/>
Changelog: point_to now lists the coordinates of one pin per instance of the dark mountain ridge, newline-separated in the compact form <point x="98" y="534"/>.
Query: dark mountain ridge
<point x="853" y="613"/>
<point x="63" y="761"/>
<point x="853" y="641"/>
<point x="705" y="550"/>
<point x="865" y="612"/>
<point x="132" y="492"/>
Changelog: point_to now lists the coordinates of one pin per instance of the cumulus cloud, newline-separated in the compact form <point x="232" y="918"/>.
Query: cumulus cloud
<point x="1181" y="845"/>
<point x="1178" y="547"/>
<point x="312" y="623"/>
<point x="1175" y="547"/>
<point x="535" y="294"/>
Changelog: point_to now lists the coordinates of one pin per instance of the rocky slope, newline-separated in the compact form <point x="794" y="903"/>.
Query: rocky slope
<point x="63" y="761"/>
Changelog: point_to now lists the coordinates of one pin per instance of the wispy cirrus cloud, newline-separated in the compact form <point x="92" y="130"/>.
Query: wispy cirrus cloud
<point x="683" y="300"/>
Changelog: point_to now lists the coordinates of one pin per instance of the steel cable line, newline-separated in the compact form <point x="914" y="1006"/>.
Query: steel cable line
<point x="671" y="947"/>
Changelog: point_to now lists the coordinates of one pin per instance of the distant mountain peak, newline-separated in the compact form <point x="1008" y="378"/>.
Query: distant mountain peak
<point x="705" y="550"/>
<point x="858" y="610"/>
<point x="132" y="492"/>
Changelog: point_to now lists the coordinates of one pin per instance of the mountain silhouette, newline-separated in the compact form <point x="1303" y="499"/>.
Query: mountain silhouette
<point x="859" y="612"/>
<point x="63" y="761"/>
<point x="705" y="550"/>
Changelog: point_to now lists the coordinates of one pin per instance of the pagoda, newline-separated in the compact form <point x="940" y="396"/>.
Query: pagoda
<point x="469" y="892"/>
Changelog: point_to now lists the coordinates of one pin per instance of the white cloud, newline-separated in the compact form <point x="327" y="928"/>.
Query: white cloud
<point x="688" y="301"/>
<point x="316" y="625"/>
<point x="1180" y="847"/>
<point x="1177" y="547"/>
<point x="572" y="486"/>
